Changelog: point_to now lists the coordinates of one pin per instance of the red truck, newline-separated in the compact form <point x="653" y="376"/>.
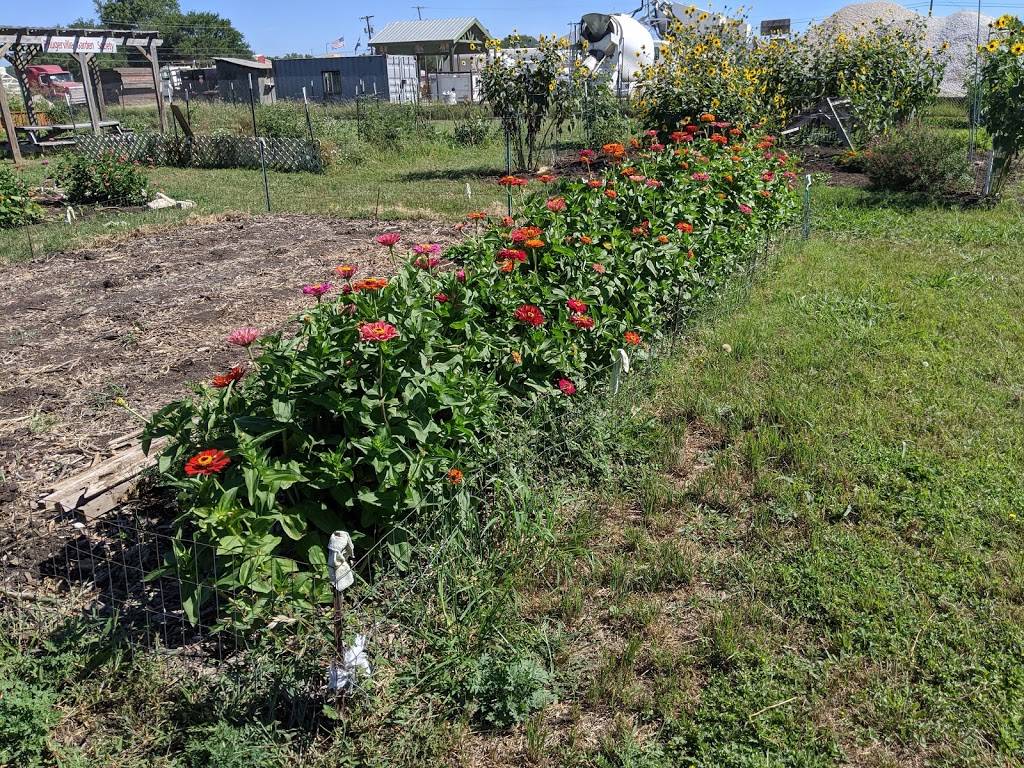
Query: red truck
<point x="54" y="82"/>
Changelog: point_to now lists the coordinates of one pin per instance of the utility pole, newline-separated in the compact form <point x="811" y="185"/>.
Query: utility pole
<point x="369" y="27"/>
<point x="419" y="8"/>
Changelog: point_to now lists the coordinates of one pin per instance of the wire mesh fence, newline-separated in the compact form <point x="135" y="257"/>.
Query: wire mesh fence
<point x="165" y="587"/>
<point x="224" y="151"/>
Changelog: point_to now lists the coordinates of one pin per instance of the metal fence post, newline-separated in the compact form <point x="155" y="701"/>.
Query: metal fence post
<point x="807" y="207"/>
<point x="508" y="166"/>
<point x="262" y="144"/>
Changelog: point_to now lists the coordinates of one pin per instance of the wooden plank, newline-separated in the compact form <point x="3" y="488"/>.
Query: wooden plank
<point x="101" y="488"/>
<point x="8" y="118"/>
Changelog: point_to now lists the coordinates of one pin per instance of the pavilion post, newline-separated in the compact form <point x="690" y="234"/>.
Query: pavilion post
<point x="152" y="57"/>
<point x="8" y="119"/>
<point x="90" y="93"/>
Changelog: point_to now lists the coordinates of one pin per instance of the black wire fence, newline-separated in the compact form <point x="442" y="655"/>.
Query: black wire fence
<point x="160" y="589"/>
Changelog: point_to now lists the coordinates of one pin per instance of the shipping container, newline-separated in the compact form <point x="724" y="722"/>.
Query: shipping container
<point x="344" y="78"/>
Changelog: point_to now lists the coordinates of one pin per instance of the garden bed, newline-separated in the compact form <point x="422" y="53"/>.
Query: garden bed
<point x="140" y="318"/>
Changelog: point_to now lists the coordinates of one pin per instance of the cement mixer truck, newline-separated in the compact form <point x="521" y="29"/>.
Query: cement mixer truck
<point x="617" y="46"/>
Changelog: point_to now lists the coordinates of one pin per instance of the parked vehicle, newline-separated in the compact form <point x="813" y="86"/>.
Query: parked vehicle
<point x="54" y="82"/>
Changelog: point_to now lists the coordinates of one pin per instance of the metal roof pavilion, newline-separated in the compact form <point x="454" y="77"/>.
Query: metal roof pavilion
<point x="463" y="34"/>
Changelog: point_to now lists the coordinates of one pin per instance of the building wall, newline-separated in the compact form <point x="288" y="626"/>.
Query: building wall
<point x="233" y="83"/>
<point x="390" y="78"/>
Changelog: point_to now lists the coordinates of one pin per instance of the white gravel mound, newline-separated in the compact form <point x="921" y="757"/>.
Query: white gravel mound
<point x="959" y="30"/>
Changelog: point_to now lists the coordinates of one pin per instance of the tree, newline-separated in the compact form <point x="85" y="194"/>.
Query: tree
<point x="515" y="40"/>
<point x="196" y="34"/>
<point x="202" y="34"/>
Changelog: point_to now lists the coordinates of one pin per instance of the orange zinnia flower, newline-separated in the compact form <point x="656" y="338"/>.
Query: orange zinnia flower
<point x="370" y="284"/>
<point x="455" y="476"/>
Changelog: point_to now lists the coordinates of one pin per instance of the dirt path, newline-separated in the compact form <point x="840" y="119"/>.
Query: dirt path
<point x="140" y="319"/>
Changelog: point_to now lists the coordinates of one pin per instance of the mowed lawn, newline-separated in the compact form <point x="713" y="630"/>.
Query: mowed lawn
<point x="853" y="501"/>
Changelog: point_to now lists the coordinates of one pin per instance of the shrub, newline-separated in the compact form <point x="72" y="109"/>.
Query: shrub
<point x="530" y="95"/>
<point x="102" y="178"/>
<point x="281" y="121"/>
<point x="17" y="208"/>
<point x="507" y="691"/>
<point x="382" y="402"/>
<point x="1002" y="92"/>
<point x="919" y="159"/>
<point x="473" y="131"/>
<point x="387" y="126"/>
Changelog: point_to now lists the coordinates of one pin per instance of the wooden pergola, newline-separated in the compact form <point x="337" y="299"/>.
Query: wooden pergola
<point x="20" y="45"/>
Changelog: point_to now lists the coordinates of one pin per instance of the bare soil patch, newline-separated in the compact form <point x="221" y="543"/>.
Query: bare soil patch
<point x="141" y="318"/>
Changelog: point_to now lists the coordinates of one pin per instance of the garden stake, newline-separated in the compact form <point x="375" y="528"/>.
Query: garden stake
<point x="508" y="167"/>
<point x="807" y="208"/>
<point x="252" y="108"/>
<point x="262" y="144"/>
<point x="309" y="121"/>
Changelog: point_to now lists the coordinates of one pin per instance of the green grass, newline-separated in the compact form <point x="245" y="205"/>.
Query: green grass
<point x="409" y="184"/>
<point x="797" y="542"/>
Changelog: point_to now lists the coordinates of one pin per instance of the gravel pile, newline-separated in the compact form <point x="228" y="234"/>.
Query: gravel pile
<point x="959" y="30"/>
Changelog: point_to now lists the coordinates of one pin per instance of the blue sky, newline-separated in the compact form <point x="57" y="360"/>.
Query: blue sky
<point x="281" y="26"/>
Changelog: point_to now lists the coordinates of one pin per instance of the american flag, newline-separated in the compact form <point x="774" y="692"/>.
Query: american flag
<point x="338" y="44"/>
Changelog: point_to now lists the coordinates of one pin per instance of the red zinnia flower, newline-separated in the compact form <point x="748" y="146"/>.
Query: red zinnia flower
<point x="512" y="181"/>
<point x="718" y="138"/>
<point x="595" y="183"/>
<point x="509" y="265"/>
<point x="567" y="387"/>
<point x="546" y="178"/>
<point x="507" y="221"/>
<point x="390" y="239"/>
<point x="511" y="254"/>
<point x="685" y="227"/>
<point x="585" y="322"/>
<point x="455" y="476"/>
<point x="378" y="331"/>
<point x="656" y="147"/>
<point x="556" y="204"/>
<point x="676" y="136"/>
<point x="530" y="315"/>
<point x="692" y="129"/>
<point x="587" y="155"/>
<point x="631" y="337"/>
<point x="208" y="462"/>
<point x="575" y="305"/>
<point x="476" y="215"/>
<point x="441" y="298"/>
<point x="235" y="374"/>
<point x="611" y="194"/>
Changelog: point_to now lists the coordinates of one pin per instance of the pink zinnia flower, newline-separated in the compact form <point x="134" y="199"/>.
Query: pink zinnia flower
<point x="389" y="239"/>
<point x="556" y="204"/>
<point x="441" y="298"/>
<point x="243" y="337"/>
<point x="316" y="289"/>
<point x="653" y="183"/>
<point x="657" y="147"/>
<point x="511" y="254"/>
<point x="767" y="176"/>
<point x="587" y="155"/>
<point x="637" y="178"/>
<point x="426" y="249"/>
<point x="346" y="271"/>
<point x="378" y="331"/>
<point x="746" y="209"/>
<point x="460" y="275"/>
<point x="701" y="176"/>
<point x="567" y="387"/>
<point x="575" y="305"/>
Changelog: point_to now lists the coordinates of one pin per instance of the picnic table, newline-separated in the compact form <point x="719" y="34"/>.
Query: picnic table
<point x="63" y="134"/>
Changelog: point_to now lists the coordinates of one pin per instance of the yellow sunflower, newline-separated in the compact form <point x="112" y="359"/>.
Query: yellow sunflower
<point x="992" y="46"/>
<point x="1017" y="49"/>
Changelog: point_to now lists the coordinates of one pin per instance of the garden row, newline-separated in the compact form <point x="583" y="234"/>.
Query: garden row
<point x="380" y="404"/>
